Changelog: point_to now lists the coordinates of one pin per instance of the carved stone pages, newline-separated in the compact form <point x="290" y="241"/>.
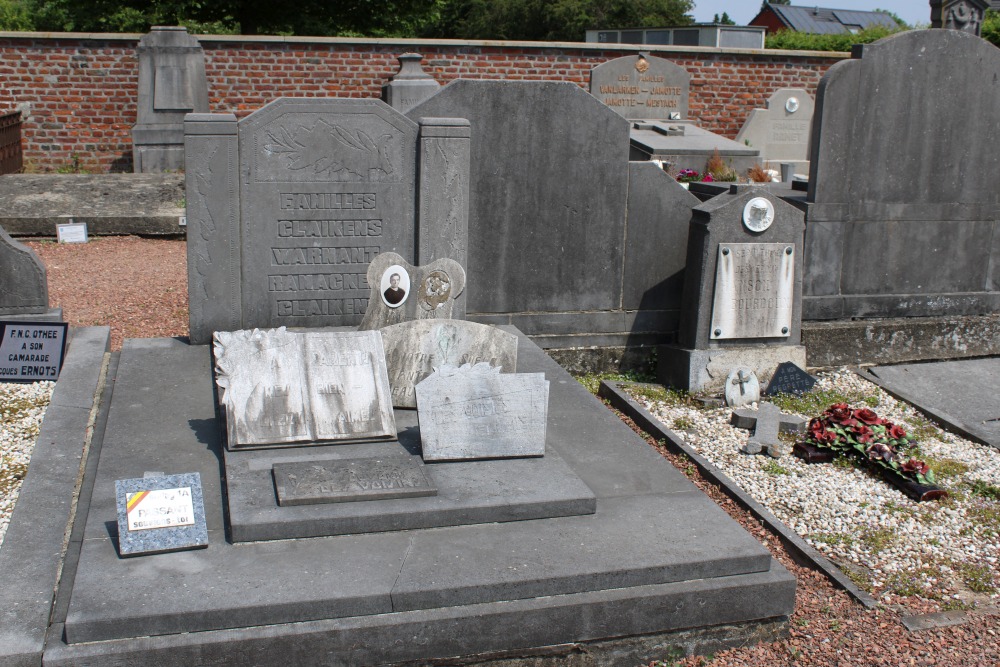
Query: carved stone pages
<point x="474" y="412"/>
<point x="282" y="389"/>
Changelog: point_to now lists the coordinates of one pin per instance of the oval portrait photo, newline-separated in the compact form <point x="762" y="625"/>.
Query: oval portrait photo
<point x="395" y="286"/>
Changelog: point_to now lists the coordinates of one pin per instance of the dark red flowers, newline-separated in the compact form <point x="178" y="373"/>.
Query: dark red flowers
<point x="867" y="416"/>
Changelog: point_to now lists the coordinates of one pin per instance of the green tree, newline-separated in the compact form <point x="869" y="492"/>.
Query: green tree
<point x="895" y="17"/>
<point x="723" y="20"/>
<point x="990" y="30"/>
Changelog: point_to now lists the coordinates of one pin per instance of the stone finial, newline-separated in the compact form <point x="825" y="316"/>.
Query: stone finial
<point x="410" y="86"/>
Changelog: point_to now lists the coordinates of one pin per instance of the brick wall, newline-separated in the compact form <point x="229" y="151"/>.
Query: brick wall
<point x="78" y="92"/>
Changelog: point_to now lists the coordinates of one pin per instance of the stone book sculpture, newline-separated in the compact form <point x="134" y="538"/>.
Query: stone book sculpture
<point x="280" y="388"/>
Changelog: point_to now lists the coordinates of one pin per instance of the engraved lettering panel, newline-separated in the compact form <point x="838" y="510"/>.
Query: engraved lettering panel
<point x="642" y="87"/>
<point x="754" y="288"/>
<point x="328" y="185"/>
<point x="340" y="481"/>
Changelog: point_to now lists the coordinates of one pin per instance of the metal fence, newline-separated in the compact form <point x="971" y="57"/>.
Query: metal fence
<point x="10" y="142"/>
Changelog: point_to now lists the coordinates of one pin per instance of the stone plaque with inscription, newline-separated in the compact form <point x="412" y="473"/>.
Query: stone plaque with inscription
<point x="414" y="349"/>
<point x="401" y="292"/>
<point x="159" y="513"/>
<point x="754" y="285"/>
<point x="327" y="185"/>
<point x="475" y="412"/>
<point x="781" y="131"/>
<point x="343" y="481"/>
<point x="280" y="388"/>
<point x="642" y="86"/>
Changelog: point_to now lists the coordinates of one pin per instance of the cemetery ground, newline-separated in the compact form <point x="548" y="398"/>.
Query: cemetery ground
<point x="933" y="557"/>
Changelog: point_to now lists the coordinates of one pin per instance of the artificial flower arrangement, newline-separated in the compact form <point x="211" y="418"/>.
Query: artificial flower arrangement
<point x="885" y="446"/>
<point x="690" y="176"/>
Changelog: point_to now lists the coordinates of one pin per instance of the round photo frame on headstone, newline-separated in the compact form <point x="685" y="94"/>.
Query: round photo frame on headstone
<point x="395" y="294"/>
<point x="758" y="214"/>
<point x="792" y="104"/>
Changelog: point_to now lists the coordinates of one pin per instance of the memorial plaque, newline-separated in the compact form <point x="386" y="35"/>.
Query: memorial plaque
<point x="789" y="379"/>
<point x="475" y="412"/>
<point x="414" y="349"/>
<point x="326" y="186"/>
<point x="282" y="388"/>
<point x="754" y="286"/>
<point x="401" y="292"/>
<point x="31" y="351"/>
<point x="159" y="514"/>
<point x="344" y="481"/>
<point x="642" y="87"/>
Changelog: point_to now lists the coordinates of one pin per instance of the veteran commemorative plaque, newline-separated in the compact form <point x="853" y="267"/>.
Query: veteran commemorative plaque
<point x="31" y="351"/>
<point x="754" y="289"/>
<point x="160" y="513"/>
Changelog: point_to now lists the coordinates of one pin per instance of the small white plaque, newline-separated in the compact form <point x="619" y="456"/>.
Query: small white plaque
<point x="758" y="214"/>
<point x="182" y="220"/>
<point x="71" y="232"/>
<point x="792" y="104"/>
<point x="754" y="291"/>
<point x="160" y="508"/>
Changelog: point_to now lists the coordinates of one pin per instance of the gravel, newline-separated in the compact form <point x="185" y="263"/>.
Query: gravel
<point x="22" y="407"/>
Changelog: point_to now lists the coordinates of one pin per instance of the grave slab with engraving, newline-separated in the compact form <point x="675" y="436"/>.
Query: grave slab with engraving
<point x="475" y="412"/>
<point x="280" y="388"/>
<point x="401" y="292"/>
<point x="742" y="302"/>
<point x="414" y="349"/>
<point x="160" y="513"/>
<point x="334" y="481"/>
<point x="781" y="131"/>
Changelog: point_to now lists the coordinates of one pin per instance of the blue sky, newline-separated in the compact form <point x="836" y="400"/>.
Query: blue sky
<point x="742" y="11"/>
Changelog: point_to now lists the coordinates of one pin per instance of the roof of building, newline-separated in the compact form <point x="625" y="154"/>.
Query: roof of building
<point x="829" y="21"/>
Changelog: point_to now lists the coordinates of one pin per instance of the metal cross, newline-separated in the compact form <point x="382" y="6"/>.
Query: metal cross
<point x="741" y="381"/>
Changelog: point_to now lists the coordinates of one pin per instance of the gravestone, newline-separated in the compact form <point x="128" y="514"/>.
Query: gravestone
<point x="964" y="15"/>
<point x="475" y="412"/>
<point x="172" y="83"/>
<point x="24" y="289"/>
<point x="742" y="387"/>
<point x="902" y="204"/>
<point x="402" y="292"/>
<point x="767" y="422"/>
<point x="287" y="208"/>
<point x="781" y="131"/>
<point x="160" y="513"/>
<point x="410" y="86"/>
<point x="742" y="290"/>
<point x="352" y="480"/>
<point x="282" y="389"/>
<point x="642" y="86"/>
<point x="789" y="379"/>
<point x="414" y="349"/>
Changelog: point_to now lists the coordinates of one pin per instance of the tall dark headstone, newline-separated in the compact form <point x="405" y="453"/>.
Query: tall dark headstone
<point x="24" y="290"/>
<point x="172" y="83"/>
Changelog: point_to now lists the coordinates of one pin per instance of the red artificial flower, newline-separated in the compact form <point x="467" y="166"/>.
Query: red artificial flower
<point x="897" y="432"/>
<point x="839" y="412"/>
<point x="825" y="437"/>
<point x="867" y="416"/>
<point x="913" y="465"/>
<point x="863" y="438"/>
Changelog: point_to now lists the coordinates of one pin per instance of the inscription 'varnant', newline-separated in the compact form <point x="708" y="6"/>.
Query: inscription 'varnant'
<point x="300" y="256"/>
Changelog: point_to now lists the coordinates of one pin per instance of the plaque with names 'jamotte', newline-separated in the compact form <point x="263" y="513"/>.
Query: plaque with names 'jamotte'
<point x="349" y="480"/>
<point x="754" y="289"/>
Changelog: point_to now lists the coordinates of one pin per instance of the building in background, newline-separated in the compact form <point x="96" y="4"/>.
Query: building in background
<point x="818" y="20"/>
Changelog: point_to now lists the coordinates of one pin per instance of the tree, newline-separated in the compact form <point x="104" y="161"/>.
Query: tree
<point x="724" y="20"/>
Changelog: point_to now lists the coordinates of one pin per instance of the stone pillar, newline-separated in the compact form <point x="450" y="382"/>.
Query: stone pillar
<point x="410" y="86"/>
<point x="213" y="224"/>
<point x="964" y="15"/>
<point x="443" y="215"/>
<point x="172" y="83"/>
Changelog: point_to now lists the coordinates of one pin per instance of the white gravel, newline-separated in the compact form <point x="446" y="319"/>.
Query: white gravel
<point x="893" y="545"/>
<point x="22" y="407"/>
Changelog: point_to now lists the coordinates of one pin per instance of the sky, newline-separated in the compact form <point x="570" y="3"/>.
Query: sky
<point x="742" y="11"/>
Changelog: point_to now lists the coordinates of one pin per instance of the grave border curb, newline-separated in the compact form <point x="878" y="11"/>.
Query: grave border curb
<point x="798" y="548"/>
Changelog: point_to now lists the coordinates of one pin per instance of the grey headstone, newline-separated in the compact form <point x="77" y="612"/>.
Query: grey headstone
<point x="766" y="422"/>
<point x="781" y="131"/>
<point x="280" y="388"/>
<point x="414" y="349"/>
<point x="964" y="15"/>
<point x="475" y="412"/>
<point x="172" y="83"/>
<point x="642" y="86"/>
<point x="401" y="292"/>
<point x="410" y="86"/>
<point x="742" y="387"/>
<point x="789" y="379"/>
<point x="344" y="481"/>
<point x="327" y="184"/>
<point x="158" y="514"/>
<point x="899" y="222"/>
<point x="23" y="285"/>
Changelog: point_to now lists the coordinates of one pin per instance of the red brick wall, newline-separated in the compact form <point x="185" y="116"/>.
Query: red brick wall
<point x="78" y="93"/>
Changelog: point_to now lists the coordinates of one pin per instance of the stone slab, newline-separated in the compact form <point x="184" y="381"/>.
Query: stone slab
<point x="33" y="548"/>
<point x="414" y="349"/>
<point x="960" y="394"/>
<point x="642" y="86"/>
<point x="353" y="480"/>
<point x="159" y="513"/>
<point x="32" y="350"/>
<point x="707" y="369"/>
<point x="474" y="412"/>
<point x="402" y="292"/>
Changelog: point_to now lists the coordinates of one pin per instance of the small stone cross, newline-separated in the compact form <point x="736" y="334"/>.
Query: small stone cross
<point x="766" y="422"/>
<point x="741" y="381"/>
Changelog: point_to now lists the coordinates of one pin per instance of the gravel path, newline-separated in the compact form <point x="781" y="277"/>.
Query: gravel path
<point x="138" y="287"/>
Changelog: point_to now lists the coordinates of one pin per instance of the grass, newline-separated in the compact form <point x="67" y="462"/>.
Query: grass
<point x="977" y="578"/>
<point x="772" y="467"/>
<point x="984" y="490"/>
<point x="877" y="539"/>
<point x="682" y="424"/>
<point x="944" y="468"/>
<point x="592" y="381"/>
<point x="815" y="402"/>
<point x="922" y="428"/>
<point x="908" y="584"/>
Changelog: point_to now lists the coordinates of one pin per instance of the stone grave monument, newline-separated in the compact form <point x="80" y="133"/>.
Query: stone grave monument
<point x="742" y="291"/>
<point x="172" y="84"/>
<point x="410" y="86"/>
<point x="653" y="94"/>
<point x="24" y="289"/>
<point x="781" y="131"/>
